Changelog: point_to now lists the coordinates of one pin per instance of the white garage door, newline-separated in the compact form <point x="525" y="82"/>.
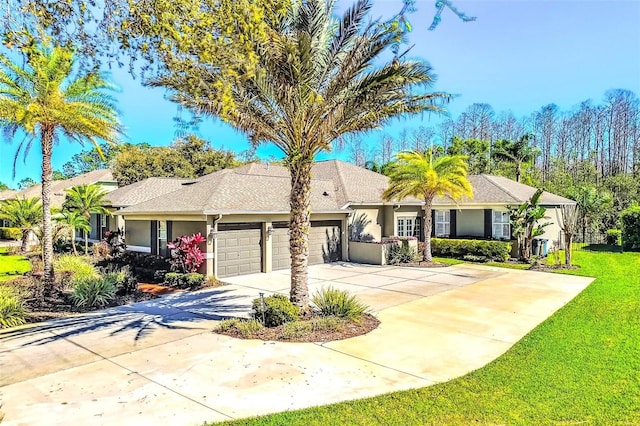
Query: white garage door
<point x="324" y="243"/>
<point x="239" y="249"/>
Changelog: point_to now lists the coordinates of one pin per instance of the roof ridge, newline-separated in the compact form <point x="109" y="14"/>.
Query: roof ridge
<point x="489" y="178"/>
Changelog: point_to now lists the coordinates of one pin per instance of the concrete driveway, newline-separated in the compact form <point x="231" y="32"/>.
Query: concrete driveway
<point x="159" y="363"/>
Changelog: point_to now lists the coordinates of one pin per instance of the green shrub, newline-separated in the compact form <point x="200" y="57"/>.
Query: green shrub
<point x="338" y="303"/>
<point x="184" y="281"/>
<point x="122" y="277"/>
<point x="492" y="250"/>
<point x="246" y="328"/>
<point x="100" y="249"/>
<point x="12" y="312"/>
<point x="475" y="258"/>
<point x="401" y="253"/>
<point x="93" y="292"/>
<point x="630" y="219"/>
<point x="329" y="323"/>
<point x="296" y="329"/>
<point x="614" y="237"/>
<point x="80" y="267"/>
<point x="10" y="234"/>
<point x="278" y="310"/>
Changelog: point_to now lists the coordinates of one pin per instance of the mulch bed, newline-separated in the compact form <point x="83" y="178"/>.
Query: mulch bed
<point x="349" y="329"/>
<point x="551" y="268"/>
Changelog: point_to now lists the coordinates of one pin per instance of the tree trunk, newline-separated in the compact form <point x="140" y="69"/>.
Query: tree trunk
<point x="299" y="227"/>
<point x="518" y="171"/>
<point x="86" y="243"/>
<point x="73" y="241"/>
<point x="567" y="248"/>
<point x="47" y="175"/>
<point x="25" y="240"/>
<point x="428" y="204"/>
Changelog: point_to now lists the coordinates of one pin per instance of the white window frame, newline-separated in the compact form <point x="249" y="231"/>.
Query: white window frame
<point x="442" y="223"/>
<point x="408" y="226"/>
<point x="500" y="230"/>
<point x="162" y="237"/>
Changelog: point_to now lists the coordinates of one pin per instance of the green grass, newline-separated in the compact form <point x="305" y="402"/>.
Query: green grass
<point x="448" y="260"/>
<point x="580" y="366"/>
<point x="12" y="265"/>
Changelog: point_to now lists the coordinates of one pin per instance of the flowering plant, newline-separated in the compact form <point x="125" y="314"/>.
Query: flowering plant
<point x="186" y="255"/>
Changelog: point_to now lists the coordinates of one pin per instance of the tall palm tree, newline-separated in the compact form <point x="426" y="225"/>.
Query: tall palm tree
<point x="43" y="100"/>
<point x="86" y="199"/>
<point x="75" y="221"/>
<point x="517" y="152"/>
<point x="419" y="175"/>
<point x="24" y="213"/>
<point x="318" y="78"/>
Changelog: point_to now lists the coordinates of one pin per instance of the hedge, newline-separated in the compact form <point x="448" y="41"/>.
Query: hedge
<point x="614" y="237"/>
<point x="10" y="234"/>
<point x="630" y="219"/>
<point x="184" y="281"/>
<point x="478" y="249"/>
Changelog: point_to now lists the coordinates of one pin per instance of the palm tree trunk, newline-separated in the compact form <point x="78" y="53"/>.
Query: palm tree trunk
<point x="86" y="243"/>
<point x="299" y="227"/>
<point x="73" y="241"/>
<point x="428" y="205"/>
<point x="47" y="175"/>
<point x="25" y="240"/>
<point x="518" y="170"/>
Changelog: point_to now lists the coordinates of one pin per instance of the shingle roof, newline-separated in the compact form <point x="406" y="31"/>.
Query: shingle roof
<point x="144" y="190"/>
<point x="490" y="189"/>
<point x="263" y="187"/>
<point x="237" y="190"/>
<point x="7" y="193"/>
<point x="58" y="186"/>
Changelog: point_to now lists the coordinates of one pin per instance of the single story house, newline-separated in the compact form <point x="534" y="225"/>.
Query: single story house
<point x="244" y="213"/>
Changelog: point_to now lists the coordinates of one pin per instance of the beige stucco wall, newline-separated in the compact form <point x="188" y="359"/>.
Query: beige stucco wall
<point x="552" y="232"/>
<point x="366" y="223"/>
<point x="470" y="223"/>
<point x="138" y="233"/>
<point x="183" y="227"/>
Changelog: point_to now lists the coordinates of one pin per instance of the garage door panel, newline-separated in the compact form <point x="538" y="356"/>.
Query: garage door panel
<point x="239" y="249"/>
<point x="324" y="244"/>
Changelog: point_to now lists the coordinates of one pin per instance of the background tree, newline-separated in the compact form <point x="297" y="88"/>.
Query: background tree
<point x="421" y="176"/>
<point x="43" y="100"/>
<point x="26" y="183"/>
<point x="517" y="152"/>
<point x="317" y="78"/>
<point x="84" y="200"/>
<point x="590" y="202"/>
<point x="23" y="213"/>
<point x="476" y="151"/>
<point x="89" y="160"/>
<point x="4" y="186"/>
<point x="567" y="218"/>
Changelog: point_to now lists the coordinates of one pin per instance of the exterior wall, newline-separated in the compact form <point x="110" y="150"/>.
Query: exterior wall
<point x="138" y="233"/>
<point x="373" y="254"/>
<point x="553" y="231"/>
<point x="470" y="223"/>
<point x="366" y="223"/>
<point x="183" y="227"/>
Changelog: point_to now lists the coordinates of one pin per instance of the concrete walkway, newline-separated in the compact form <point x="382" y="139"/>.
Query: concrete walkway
<point x="159" y="363"/>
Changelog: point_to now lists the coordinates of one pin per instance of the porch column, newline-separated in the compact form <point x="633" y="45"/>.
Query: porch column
<point x="212" y="247"/>
<point x="267" y="247"/>
<point x="345" y="239"/>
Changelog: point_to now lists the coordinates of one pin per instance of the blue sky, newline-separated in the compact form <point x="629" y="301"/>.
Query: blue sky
<point x="518" y="55"/>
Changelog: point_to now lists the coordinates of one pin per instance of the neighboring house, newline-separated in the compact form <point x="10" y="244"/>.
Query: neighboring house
<point x="244" y="214"/>
<point x="6" y="195"/>
<point x="102" y="177"/>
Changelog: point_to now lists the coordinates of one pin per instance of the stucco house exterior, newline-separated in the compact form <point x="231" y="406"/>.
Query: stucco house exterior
<point x="244" y="213"/>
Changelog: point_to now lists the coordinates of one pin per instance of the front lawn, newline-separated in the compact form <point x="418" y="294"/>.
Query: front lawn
<point x="12" y="265"/>
<point x="578" y="367"/>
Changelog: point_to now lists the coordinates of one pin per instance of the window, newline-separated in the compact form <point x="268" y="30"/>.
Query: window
<point x="408" y="227"/>
<point x="103" y="225"/>
<point x="162" y="237"/>
<point x="442" y="223"/>
<point x="501" y="225"/>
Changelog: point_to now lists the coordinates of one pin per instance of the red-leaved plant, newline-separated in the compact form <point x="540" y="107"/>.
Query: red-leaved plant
<point x="186" y="256"/>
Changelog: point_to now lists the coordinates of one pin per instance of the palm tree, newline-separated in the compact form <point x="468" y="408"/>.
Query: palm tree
<point x="518" y="152"/>
<point x="45" y="102"/>
<point x="422" y="176"/>
<point x="75" y="221"/>
<point x="84" y="200"/>
<point x="23" y="213"/>
<point x="318" y="78"/>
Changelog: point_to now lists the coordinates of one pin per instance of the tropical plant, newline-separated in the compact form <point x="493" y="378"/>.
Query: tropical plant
<point x="23" y="213"/>
<point x="12" y="311"/>
<point x="420" y="175"/>
<point x="93" y="292"/>
<point x="317" y="78"/>
<point x="80" y="267"/>
<point x="332" y="302"/>
<point x="86" y="199"/>
<point x="518" y="152"/>
<point x="44" y="101"/>
<point x="525" y="223"/>
<point x="75" y="221"/>
<point x="186" y="256"/>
